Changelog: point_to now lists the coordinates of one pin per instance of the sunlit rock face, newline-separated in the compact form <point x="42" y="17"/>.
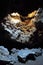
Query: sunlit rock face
<point x="22" y="30"/>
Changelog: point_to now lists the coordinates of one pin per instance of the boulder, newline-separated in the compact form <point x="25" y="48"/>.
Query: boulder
<point x="4" y="51"/>
<point x="24" y="53"/>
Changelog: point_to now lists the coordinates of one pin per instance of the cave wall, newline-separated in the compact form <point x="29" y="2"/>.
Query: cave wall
<point x="21" y="6"/>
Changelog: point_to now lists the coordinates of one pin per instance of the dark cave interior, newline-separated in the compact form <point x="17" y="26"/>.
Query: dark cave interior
<point x="21" y="6"/>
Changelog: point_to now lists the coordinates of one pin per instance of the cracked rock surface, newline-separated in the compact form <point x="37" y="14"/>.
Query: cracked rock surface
<point x="19" y="30"/>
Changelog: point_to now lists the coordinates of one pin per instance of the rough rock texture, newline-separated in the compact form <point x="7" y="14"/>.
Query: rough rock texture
<point x="4" y="51"/>
<point x="27" y="30"/>
<point x="21" y="55"/>
<point x="5" y="57"/>
<point x="20" y="31"/>
<point x="24" y="53"/>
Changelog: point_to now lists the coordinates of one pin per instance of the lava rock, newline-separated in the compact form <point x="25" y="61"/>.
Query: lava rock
<point x="21" y="31"/>
<point x="18" y="31"/>
<point x="4" y="51"/>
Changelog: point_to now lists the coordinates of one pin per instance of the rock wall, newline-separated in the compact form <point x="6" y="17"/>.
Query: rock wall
<point x="27" y="32"/>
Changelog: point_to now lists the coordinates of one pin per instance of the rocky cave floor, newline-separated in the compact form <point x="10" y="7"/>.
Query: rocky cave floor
<point x="22" y="56"/>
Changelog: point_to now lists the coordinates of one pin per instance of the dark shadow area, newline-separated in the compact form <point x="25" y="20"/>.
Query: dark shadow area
<point x="21" y="6"/>
<point x="29" y="57"/>
<point x="3" y="62"/>
<point x="35" y="41"/>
